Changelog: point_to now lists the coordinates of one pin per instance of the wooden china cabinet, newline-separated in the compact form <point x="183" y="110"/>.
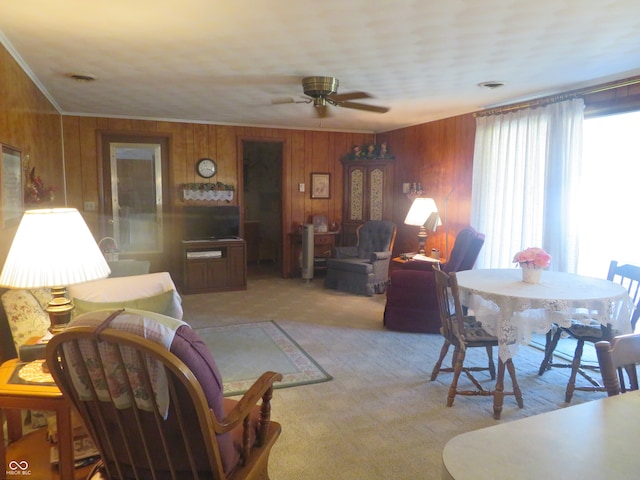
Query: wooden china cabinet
<point x="368" y="194"/>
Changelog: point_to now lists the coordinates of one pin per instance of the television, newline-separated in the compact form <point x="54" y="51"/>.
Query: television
<point x="221" y="222"/>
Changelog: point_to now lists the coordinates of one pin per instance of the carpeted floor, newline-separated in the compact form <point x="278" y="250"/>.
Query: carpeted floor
<point x="380" y="417"/>
<point x="244" y="351"/>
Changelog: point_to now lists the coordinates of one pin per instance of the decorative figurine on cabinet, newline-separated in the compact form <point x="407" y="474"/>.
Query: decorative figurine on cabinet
<point x="384" y="151"/>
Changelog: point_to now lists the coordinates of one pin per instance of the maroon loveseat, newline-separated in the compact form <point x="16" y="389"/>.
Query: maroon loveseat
<point x="411" y="295"/>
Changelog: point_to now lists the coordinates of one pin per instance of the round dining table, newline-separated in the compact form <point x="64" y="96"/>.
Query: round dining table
<point x="513" y="310"/>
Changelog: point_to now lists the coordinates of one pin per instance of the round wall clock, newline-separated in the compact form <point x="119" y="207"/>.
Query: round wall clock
<point x="206" y="167"/>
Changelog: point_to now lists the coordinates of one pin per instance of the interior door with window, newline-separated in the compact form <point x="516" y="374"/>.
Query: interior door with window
<point x="135" y="195"/>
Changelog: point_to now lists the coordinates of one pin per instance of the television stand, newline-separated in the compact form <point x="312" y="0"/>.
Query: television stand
<point x="214" y="265"/>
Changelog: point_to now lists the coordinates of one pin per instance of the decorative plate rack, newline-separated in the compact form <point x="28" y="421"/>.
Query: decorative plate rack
<point x="208" y="192"/>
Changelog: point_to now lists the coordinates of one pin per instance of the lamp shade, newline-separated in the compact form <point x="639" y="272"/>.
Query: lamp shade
<point x="53" y="247"/>
<point x="420" y="211"/>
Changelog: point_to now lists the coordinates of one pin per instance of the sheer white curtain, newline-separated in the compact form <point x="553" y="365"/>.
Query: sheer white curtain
<point x="525" y="168"/>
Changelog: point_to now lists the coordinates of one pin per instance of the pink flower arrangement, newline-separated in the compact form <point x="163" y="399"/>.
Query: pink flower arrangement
<point x="532" y="258"/>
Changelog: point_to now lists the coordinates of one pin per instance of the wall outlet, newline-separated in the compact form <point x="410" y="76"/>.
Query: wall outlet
<point x="301" y="187"/>
<point x="89" y="206"/>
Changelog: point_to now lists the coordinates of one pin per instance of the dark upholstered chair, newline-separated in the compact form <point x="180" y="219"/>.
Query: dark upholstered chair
<point x="363" y="269"/>
<point x="411" y="295"/>
<point x="161" y="414"/>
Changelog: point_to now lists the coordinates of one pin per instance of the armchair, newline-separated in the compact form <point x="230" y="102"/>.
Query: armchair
<point x="363" y="269"/>
<point x="411" y="296"/>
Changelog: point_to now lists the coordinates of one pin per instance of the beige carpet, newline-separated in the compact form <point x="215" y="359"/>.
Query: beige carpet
<point x="380" y="417"/>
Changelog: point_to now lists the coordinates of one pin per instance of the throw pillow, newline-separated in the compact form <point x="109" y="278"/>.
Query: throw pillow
<point x="25" y="315"/>
<point x="161" y="303"/>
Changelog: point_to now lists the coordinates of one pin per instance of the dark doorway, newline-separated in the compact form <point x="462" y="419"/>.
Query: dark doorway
<point x="262" y="179"/>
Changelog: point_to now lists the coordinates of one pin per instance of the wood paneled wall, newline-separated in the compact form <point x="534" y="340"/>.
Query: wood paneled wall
<point x="31" y="124"/>
<point x="304" y="152"/>
<point x="439" y="155"/>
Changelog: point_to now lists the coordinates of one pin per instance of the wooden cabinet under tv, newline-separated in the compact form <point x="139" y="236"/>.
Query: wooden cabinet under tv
<point x="214" y="266"/>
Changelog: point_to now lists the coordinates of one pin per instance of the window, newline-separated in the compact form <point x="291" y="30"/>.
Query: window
<point x="607" y="205"/>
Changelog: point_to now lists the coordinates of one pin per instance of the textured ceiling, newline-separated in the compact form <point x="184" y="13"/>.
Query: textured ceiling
<point x="225" y="61"/>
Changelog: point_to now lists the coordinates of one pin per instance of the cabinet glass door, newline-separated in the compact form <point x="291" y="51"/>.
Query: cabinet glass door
<point x="376" y="194"/>
<point x="356" y="199"/>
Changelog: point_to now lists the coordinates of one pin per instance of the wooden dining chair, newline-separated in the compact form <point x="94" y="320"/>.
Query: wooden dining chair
<point x="463" y="333"/>
<point x="470" y="324"/>
<point x="593" y="332"/>
<point x="160" y="413"/>
<point x="617" y="357"/>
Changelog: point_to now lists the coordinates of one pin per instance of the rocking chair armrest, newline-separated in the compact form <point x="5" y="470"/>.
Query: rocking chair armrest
<point x="262" y="389"/>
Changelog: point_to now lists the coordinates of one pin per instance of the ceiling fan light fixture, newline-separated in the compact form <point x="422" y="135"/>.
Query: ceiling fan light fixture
<point x="492" y="85"/>
<point x="319" y="86"/>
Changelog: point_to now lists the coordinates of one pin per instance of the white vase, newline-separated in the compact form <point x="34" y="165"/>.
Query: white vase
<point x="531" y="275"/>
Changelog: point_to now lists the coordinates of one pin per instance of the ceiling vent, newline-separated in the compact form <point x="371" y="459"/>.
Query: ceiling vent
<point x="82" y="77"/>
<point x="491" y="85"/>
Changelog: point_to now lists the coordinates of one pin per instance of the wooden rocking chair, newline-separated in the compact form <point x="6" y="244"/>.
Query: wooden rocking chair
<point x="199" y="435"/>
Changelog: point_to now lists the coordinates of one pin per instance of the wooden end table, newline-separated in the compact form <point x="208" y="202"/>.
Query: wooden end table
<point x="29" y="396"/>
<point x="398" y="263"/>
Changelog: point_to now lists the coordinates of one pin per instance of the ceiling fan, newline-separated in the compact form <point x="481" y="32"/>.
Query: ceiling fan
<point x="322" y="91"/>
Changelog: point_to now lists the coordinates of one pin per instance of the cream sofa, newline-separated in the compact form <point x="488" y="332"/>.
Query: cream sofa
<point x="153" y="292"/>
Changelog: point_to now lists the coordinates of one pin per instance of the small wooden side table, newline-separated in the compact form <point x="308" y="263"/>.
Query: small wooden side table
<point x="29" y="396"/>
<point x="399" y="263"/>
<point x="323" y="244"/>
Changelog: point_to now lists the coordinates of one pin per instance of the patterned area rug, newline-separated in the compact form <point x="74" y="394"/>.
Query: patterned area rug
<point x="244" y="351"/>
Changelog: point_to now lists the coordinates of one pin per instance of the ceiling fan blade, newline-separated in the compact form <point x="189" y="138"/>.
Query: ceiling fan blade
<point x="363" y="106"/>
<point x="282" y="100"/>
<point x="341" y="97"/>
<point x="285" y="100"/>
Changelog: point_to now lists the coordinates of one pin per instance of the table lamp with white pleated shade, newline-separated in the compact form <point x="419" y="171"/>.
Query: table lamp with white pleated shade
<point x="53" y="248"/>
<point x="424" y="214"/>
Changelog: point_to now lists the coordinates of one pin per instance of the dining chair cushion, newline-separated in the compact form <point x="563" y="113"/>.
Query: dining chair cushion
<point x="474" y="332"/>
<point x="592" y="329"/>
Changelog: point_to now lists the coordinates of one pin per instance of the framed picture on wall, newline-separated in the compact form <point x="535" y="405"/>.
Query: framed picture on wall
<point x="11" y="186"/>
<point x="320" y="185"/>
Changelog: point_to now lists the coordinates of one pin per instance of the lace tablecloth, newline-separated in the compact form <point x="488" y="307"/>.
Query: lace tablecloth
<point x="512" y="310"/>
